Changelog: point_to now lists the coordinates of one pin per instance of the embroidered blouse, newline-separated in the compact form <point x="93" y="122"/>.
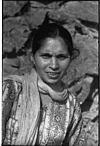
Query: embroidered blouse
<point x="60" y="123"/>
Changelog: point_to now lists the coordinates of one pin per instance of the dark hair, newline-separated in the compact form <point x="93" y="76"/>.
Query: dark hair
<point x="51" y="30"/>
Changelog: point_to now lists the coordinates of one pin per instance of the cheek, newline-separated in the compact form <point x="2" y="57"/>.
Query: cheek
<point x="40" y="64"/>
<point x="64" y="65"/>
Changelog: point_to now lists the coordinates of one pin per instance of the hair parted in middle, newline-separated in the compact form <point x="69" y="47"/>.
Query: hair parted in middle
<point x="51" y="30"/>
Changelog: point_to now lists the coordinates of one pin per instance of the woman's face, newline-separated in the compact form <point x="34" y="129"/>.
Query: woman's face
<point x="52" y="60"/>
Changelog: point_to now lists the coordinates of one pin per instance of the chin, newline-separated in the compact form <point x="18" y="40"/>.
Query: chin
<point x="51" y="81"/>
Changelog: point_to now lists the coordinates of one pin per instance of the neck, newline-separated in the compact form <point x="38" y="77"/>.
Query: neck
<point x="58" y="87"/>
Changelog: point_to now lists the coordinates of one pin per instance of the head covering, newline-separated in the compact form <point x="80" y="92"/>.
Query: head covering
<point x="56" y="96"/>
<point x="29" y="113"/>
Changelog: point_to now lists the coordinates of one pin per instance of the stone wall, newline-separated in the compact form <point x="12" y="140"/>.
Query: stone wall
<point x="20" y="18"/>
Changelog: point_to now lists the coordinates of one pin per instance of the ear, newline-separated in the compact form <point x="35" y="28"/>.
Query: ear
<point x="32" y="60"/>
<point x="76" y="53"/>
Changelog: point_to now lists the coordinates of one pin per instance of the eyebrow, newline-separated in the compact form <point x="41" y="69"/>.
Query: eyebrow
<point x="58" y="55"/>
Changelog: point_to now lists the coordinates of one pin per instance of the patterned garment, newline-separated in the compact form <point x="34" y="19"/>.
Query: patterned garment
<point x="55" y="119"/>
<point x="60" y="123"/>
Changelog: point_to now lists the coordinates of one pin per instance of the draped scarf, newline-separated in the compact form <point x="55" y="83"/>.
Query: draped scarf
<point x="29" y="115"/>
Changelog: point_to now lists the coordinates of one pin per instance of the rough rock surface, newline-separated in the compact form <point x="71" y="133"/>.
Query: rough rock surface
<point x="16" y="32"/>
<point x="10" y="8"/>
<point x="81" y="19"/>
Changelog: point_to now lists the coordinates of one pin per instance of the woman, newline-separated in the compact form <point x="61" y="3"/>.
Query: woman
<point x="37" y="107"/>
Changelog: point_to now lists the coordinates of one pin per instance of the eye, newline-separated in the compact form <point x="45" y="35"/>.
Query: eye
<point x="62" y="56"/>
<point x="46" y="56"/>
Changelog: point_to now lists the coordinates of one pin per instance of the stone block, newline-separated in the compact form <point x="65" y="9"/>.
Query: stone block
<point x="10" y="8"/>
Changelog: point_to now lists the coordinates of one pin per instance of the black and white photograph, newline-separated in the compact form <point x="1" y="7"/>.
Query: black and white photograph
<point x="50" y="79"/>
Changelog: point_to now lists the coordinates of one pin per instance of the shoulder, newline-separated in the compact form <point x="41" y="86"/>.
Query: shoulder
<point x="11" y="87"/>
<point x="74" y="103"/>
<point x="13" y="79"/>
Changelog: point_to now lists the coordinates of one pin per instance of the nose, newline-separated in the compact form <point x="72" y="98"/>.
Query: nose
<point x="54" y="64"/>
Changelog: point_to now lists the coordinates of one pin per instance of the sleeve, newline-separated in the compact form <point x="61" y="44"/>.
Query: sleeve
<point x="83" y="131"/>
<point x="9" y="94"/>
<point x="77" y="135"/>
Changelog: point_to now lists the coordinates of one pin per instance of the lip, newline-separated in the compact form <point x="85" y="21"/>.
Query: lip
<point x="53" y="74"/>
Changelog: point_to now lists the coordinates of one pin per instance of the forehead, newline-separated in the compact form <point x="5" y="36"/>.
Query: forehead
<point x="54" y="45"/>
